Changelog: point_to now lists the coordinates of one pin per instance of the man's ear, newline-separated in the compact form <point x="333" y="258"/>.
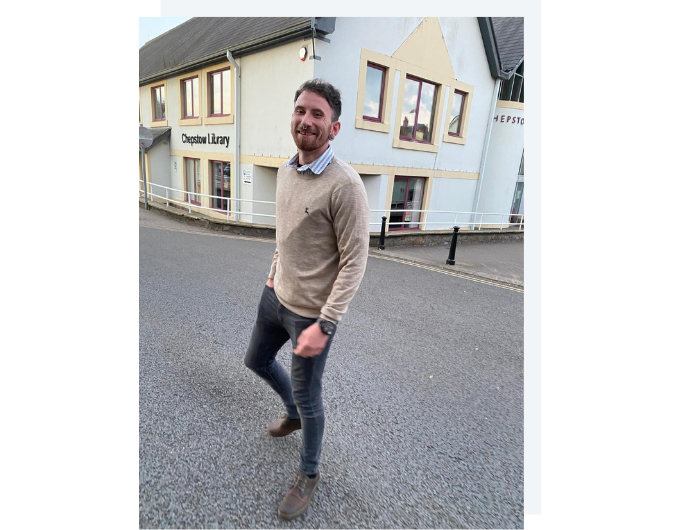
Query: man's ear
<point x="335" y="128"/>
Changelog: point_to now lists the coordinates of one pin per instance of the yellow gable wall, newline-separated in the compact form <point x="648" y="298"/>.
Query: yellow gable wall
<point x="425" y="47"/>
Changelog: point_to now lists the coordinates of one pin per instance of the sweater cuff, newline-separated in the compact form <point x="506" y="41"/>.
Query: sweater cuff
<point x="326" y="315"/>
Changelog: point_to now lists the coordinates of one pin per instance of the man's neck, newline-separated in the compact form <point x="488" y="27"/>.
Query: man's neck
<point x="307" y="157"/>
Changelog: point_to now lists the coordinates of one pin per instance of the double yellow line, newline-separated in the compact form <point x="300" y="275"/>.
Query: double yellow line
<point x="453" y="273"/>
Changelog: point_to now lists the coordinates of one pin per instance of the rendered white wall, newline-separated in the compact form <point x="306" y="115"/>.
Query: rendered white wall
<point x="340" y="62"/>
<point x="376" y="189"/>
<point x="450" y="194"/>
<point x="269" y="80"/>
<point x="176" y="177"/>
<point x="159" y="160"/>
<point x="502" y="164"/>
<point x="173" y="111"/>
<point x="264" y="182"/>
<point x="247" y="193"/>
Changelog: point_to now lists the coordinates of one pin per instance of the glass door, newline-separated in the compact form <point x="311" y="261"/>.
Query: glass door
<point x="221" y="178"/>
<point x="193" y="173"/>
<point x="407" y="194"/>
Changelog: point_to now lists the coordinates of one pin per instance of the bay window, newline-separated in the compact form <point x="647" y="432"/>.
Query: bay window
<point x="418" y="111"/>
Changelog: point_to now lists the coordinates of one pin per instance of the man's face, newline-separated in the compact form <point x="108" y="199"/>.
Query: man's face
<point x="312" y="122"/>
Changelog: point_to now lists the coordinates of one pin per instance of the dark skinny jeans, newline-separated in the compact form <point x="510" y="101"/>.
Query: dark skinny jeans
<point x="301" y="391"/>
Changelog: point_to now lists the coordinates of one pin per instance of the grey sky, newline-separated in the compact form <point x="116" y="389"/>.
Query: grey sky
<point x="150" y="27"/>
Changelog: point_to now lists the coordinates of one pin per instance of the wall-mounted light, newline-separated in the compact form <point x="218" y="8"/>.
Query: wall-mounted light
<point x="303" y="53"/>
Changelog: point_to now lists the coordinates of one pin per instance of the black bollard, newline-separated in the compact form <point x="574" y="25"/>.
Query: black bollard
<point x="381" y="243"/>
<point x="452" y="250"/>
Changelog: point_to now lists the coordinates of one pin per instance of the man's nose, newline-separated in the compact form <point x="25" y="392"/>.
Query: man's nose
<point x="304" y="122"/>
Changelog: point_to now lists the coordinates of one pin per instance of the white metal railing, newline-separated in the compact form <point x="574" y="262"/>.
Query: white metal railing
<point x="168" y="200"/>
<point x="470" y="224"/>
<point x="455" y="220"/>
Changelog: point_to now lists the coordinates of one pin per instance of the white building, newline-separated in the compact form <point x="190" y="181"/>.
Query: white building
<point x="422" y="122"/>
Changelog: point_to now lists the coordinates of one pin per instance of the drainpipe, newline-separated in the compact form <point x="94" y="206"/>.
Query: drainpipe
<point x="237" y="134"/>
<point x="485" y="151"/>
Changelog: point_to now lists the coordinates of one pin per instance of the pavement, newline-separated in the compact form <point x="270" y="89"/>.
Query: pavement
<point x="501" y="262"/>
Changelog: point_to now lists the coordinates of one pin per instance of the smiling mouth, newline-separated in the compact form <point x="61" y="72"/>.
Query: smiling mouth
<point x="302" y="133"/>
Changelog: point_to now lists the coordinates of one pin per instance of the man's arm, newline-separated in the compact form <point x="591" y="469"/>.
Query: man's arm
<point x="272" y="270"/>
<point x="349" y="207"/>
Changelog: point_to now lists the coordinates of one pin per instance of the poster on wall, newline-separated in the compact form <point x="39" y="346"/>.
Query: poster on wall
<point x="247" y="176"/>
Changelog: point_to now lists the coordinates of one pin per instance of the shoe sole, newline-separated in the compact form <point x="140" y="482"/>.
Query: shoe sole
<point x="289" y="516"/>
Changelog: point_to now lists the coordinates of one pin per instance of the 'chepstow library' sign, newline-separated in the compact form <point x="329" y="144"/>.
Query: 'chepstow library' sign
<point x="209" y="139"/>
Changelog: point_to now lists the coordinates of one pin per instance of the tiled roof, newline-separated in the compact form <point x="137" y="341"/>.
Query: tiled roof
<point x="201" y="36"/>
<point x="509" y="33"/>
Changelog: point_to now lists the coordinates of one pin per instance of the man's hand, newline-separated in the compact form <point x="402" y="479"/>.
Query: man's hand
<point x="311" y="341"/>
<point x="270" y="282"/>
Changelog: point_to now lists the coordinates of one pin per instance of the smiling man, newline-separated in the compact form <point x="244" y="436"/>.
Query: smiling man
<point x="319" y="262"/>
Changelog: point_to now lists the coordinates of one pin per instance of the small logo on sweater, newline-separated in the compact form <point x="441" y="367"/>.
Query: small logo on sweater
<point x="307" y="211"/>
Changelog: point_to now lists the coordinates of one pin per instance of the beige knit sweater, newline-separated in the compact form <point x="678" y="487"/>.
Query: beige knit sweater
<point x="321" y="240"/>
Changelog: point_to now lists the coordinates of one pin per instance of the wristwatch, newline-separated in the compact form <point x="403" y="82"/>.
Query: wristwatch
<point x="328" y="328"/>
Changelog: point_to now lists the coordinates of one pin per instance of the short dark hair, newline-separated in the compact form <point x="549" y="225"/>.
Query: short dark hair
<point x="326" y="91"/>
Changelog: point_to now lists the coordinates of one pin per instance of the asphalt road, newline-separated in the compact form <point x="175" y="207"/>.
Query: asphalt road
<point x="423" y="391"/>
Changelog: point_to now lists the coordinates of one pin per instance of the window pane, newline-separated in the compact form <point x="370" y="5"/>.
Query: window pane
<point x="374" y="78"/>
<point x="186" y="84"/>
<point x="398" y="201"/>
<point x="216" y="168"/>
<point x="517" y="87"/>
<point x="216" y="94"/>
<point x="426" y="113"/>
<point x="156" y="104"/>
<point x="190" y="177"/>
<point x="454" y="124"/>
<point x="506" y="89"/>
<point x="226" y="192"/>
<point x="414" y="201"/>
<point x="226" y="92"/>
<point x="198" y="179"/>
<point x="197" y="100"/>
<point x="163" y="101"/>
<point x="408" y="108"/>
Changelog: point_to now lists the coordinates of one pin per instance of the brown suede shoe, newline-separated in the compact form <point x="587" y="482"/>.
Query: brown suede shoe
<point x="283" y="426"/>
<point x="300" y="494"/>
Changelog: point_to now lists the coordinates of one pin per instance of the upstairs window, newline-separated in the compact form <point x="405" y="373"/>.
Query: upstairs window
<point x="513" y="88"/>
<point x="375" y="89"/>
<point x="158" y="99"/>
<point x="457" y="113"/>
<point x="418" y="110"/>
<point x="219" y="91"/>
<point x="190" y="98"/>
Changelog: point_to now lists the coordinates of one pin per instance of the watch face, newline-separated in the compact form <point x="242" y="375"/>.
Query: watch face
<point x="326" y="327"/>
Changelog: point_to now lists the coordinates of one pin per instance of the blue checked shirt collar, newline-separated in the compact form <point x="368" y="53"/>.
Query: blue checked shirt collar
<point x="315" y="167"/>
